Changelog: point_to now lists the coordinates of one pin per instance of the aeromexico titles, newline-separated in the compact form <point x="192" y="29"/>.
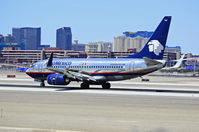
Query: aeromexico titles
<point x="99" y="71"/>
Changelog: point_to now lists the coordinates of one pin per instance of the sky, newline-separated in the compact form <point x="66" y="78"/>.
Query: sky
<point x="102" y="20"/>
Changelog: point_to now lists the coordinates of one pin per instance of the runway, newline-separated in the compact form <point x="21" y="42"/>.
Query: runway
<point x="128" y="106"/>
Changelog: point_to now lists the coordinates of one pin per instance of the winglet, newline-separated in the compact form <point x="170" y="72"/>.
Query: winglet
<point x="50" y="60"/>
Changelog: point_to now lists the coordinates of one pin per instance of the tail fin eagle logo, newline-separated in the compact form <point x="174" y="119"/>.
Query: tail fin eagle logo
<point x="155" y="46"/>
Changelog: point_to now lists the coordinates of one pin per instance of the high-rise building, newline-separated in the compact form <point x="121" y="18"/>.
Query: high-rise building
<point x="98" y="47"/>
<point x="118" y="45"/>
<point x="1" y="38"/>
<point x="30" y="37"/>
<point x="131" y="40"/>
<point x="77" y="46"/>
<point x="64" y="38"/>
<point x="9" y="39"/>
<point x="139" y="42"/>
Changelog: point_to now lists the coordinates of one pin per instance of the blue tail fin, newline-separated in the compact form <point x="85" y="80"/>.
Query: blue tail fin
<point x="154" y="48"/>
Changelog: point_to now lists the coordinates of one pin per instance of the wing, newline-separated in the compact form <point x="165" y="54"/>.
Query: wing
<point x="73" y="74"/>
<point x="70" y="73"/>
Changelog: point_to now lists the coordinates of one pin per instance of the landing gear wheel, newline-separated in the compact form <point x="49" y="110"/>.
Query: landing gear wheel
<point x="106" y="85"/>
<point x="84" y="85"/>
<point x="42" y="84"/>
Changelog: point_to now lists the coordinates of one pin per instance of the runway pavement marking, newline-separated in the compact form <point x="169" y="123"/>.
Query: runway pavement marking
<point x="16" y="79"/>
<point x="115" y="82"/>
<point x="98" y="86"/>
<point x="28" y="89"/>
<point x="34" y="129"/>
<point x="150" y="83"/>
<point x="110" y="92"/>
<point x="125" y="121"/>
<point x="136" y="93"/>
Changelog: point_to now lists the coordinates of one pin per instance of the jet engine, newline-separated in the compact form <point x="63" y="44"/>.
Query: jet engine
<point x="58" y="79"/>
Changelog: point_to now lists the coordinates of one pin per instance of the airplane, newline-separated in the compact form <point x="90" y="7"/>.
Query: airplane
<point x="99" y="71"/>
<point x="176" y="66"/>
<point x="22" y="69"/>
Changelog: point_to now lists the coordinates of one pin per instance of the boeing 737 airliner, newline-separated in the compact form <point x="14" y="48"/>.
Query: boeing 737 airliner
<point x="61" y="71"/>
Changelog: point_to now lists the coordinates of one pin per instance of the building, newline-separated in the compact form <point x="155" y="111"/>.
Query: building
<point x="169" y="56"/>
<point x="31" y="56"/>
<point x="131" y="40"/>
<point x="119" y="44"/>
<point x="138" y="42"/>
<point x="98" y="47"/>
<point x="12" y="55"/>
<point x="143" y="34"/>
<point x="51" y="48"/>
<point x="172" y="53"/>
<point x="28" y="57"/>
<point x="30" y="37"/>
<point x="9" y="39"/>
<point x="77" y="46"/>
<point x="123" y="43"/>
<point x="1" y="38"/>
<point x="108" y="54"/>
<point x="173" y="49"/>
<point x="19" y="46"/>
<point x="43" y="46"/>
<point x="64" y="38"/>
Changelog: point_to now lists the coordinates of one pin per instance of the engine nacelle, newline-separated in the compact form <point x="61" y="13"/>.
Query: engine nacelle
<point x="57" y="79"/>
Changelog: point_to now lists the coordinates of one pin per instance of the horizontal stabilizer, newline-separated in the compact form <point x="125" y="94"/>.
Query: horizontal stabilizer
<point x="151" y="62"/>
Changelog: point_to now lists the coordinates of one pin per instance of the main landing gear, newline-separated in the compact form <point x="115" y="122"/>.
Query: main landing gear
<point x="84" y="85"/>
<point x="104" y="85"/>
<point x="42" y="84"/>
